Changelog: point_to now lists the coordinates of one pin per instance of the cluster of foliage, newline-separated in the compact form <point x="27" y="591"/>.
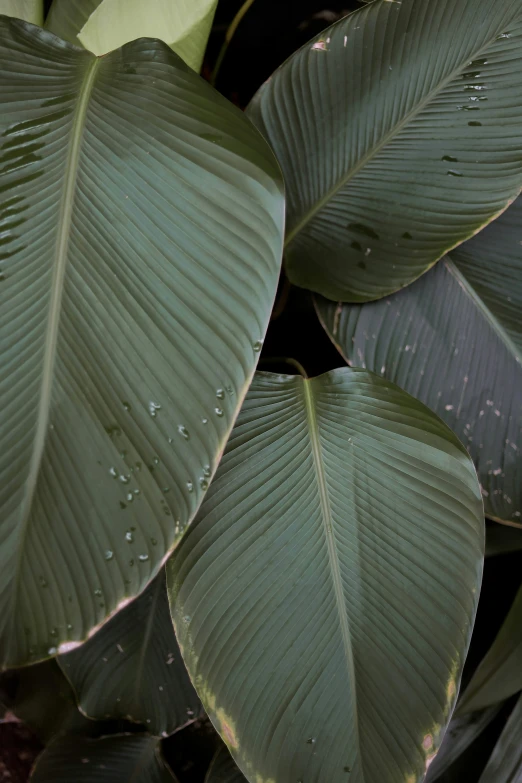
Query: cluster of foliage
<point x="299" y="559"/>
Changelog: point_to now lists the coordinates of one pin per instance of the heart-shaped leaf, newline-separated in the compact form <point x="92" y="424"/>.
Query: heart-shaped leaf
<point x="142" y="219"/>
<point x="324" y="598"/>
<point x="399" y="132"/>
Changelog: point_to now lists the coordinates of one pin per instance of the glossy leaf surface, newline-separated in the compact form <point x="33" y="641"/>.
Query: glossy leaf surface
<point x="499" y="674"/>
<point x="142" y="227"/>
<point x="132" y="668"/>
<point x="123" y="759"/>
<point x="505" y="763"/>
<point x="223" y="769"/>
<point x="29" y="10"/>
<point x="184" y="25"/>
<point x="454" y="340"/>
<point x="308" y="597"/>
<point x="399" y="132"/>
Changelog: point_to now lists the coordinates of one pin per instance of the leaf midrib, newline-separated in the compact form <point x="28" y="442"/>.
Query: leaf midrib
<point x="333" y="557"/>
<point x="55" y="306"/>
<point x="395" y="130"/>
<point x="479" y="303"/>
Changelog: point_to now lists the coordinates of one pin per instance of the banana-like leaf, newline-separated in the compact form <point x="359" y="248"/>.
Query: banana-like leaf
<point x="184" y="25"/>
<point x="505" y="763"/>
<point x="454" y="340"/>
<point x="324" y="598"/>
<point x="399" y="132"/>
<point x="66" y="18"/>
<point x="223" y="769"/>
<point x="132" y="668"/>
<point x="461" y="734"/>
<point x="29" y="10"/>
<point x="126" y="759"/>
<point x="141" y="238"/>
<point x="499" y="674"/>
<point x="502" y="540"/>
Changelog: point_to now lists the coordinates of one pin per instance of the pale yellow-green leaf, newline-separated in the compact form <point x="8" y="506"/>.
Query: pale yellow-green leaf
<point x="183" y="24"/>
<point x="29" y="10"/>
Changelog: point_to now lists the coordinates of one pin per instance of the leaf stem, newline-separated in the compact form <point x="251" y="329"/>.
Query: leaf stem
<point x="228" y="37"/>
<point x="286" y="360"/>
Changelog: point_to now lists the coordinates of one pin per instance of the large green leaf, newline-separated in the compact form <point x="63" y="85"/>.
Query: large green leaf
<point x="454" y="340"/>
<point x="30" y="10"/>
<point x="399" y="131"/>
<point x="67" y="17"/>
<point x="223" y="769"/>
<point x="124" y="759"/>
<point x="324" y="598"/>
<point x="184" y="25"/>
<point x="142" y="228"/>
<point x="505" y="763"/>
<point x="499" y="674"/>
<point x="132" y="668"/>
<point x="461" y="734"/>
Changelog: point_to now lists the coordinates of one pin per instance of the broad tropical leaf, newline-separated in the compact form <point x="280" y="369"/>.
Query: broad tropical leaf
<point x="454" y="340"/>
<point x="130" y="758"/>
<point x="29" y="10"/>
<point x="141" y="224"/>
<point x="184" y="25"/>
<point x="461" y="734"/>
<point x="67" y="17"/>
<point x="330" y="581"/>
<point x="132" y="668"/>
<point x="399" y="132"/>
<point x="505" y="763"/>
<point x="223" y="769"/>
<point x="499" y="674"/>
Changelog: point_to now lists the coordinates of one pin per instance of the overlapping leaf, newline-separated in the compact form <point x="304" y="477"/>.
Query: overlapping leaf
<point x="223" y="769"/>
<point x="132" y="668"/>
<point x="330" y="581"/>
<point x="184" y="25"/>
<point x="505" y="763"/>
<point x="499" y="674"/>
<point x="454" y="340"/>
<point x="66" y="18"/>
<point x="125" y="759"/>
<point x="141" y="237"/>
<point x="29" y="10"/>
<point x="41" y="697"/>
<point x="461" y="734"/>
<point x="399" y="132"/>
